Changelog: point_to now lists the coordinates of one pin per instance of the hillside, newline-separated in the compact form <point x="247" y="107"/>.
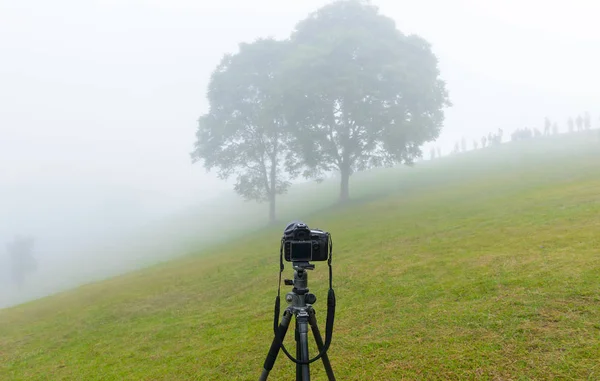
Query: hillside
<point x="482" y="265"/>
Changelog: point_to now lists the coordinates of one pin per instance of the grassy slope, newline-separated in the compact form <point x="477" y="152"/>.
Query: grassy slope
<point x="477" y="267"/>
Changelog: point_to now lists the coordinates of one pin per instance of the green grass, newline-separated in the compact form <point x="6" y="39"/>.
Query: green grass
<point x="484" y="266"/>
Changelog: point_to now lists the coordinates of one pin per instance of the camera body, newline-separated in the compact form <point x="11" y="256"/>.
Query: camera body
<point x="302" y="244"/>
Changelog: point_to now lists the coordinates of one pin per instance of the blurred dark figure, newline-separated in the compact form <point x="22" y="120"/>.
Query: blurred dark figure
<point x="22" y="262"/>
<point x="571" y="124"/>
<point x="456" y="148"/>
<point x="547" y="126"/>
<point x="587" y="121"/>
<point x="475" y="144"/>
<point x="521" y="134"/>
<point x="579" y="123"/>
<point x="492" y="138"/>
<point x="432" y="154"/>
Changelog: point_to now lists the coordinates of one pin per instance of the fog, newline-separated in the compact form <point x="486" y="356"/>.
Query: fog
<point x="99" y="102"/>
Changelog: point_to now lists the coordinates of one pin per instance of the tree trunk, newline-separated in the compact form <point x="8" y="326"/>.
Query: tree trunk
<point x="345" y="184"/>
<point x="272" y="187"/>
<point x="272" y="208"/>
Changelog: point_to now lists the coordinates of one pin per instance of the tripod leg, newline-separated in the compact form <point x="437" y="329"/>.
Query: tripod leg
<point x="298" y="354"/>
<point x="302" y="321"/>
<point x="312" y="320"/>
<point x="274" y="350"/>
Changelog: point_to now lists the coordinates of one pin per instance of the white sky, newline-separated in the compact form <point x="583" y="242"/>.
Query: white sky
<point x="99" y="99"/>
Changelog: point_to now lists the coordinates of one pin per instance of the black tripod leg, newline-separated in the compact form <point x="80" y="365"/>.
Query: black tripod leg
<point x="298" y="354"/>
<point x="302" y="321"/>
<point x="312" y="320"/>
<point x="274" y="350"/>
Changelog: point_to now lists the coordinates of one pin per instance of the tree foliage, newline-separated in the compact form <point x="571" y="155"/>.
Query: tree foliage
<point x="362" y="94"/>
<point x="244" y="131"/>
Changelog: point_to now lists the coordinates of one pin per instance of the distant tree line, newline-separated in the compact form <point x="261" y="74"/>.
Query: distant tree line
<point x="345" y="92"/>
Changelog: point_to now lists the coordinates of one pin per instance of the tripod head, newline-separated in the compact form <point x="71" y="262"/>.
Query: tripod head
<point x="298" y="266"/>
<point x="300" y="275"/>
<point x="299" y="297"/>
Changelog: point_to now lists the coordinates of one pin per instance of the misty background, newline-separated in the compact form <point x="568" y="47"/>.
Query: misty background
<point x="99" y="102"/>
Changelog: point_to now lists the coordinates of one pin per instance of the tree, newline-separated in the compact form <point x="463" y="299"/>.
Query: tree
<point x="364" y="94"/>
<point x="244" y="131"/>
<point x="22" y="261"/>
<point x="579" y="122"/>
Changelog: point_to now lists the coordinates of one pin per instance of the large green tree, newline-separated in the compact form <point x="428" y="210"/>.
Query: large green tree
<point x="360" y="93"/>
<point x="243" y="132"/>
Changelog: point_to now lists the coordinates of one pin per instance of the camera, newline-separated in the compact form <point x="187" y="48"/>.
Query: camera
<point x="302" y="244"/>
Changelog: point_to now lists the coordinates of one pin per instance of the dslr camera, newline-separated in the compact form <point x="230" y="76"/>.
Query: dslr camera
<point x="301" y="244"/>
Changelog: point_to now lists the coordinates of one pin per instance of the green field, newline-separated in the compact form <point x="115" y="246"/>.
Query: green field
<point x="483" y="265"/>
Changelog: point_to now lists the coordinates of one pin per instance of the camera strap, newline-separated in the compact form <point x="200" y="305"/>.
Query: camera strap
<point x="330" y="309"/>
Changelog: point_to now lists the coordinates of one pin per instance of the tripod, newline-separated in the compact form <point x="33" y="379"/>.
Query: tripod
<point x="300" y="305"/>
